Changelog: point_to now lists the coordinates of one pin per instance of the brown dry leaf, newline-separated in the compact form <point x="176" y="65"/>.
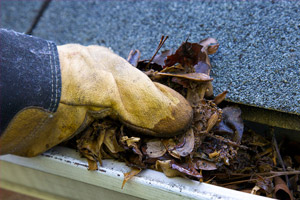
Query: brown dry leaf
<point x="154" y="148"/>
<point x="173" y="69"/>
<point x="89" y="146"/>
<point x="165" y="167"/>
<point x="212" y="121"/>
<point x="265" y="184"/>
<point x="188" y="170"/>
<point x="188" y="54"/>
<point x="92" y="165"/>
<point x="183" y="147"/>
<point x="130" y="141"/>
<point x="220" y="97"/>
<point x="110" y="141"/>
<point x="281" y="190"/>
<point x="210" y="44"/>
<point x="170" y="145"/>
<point x="129" y="175"/>
<point x="186" y="144"/>
<point x="204" y="165"/>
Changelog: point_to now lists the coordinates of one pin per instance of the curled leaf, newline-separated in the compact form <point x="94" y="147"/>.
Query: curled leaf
<point x="188" y="54"/>
<point x="110" y="141"/>
<point x="165" y="167"/>
<point x="210" y="44"/>
<point x="134" y="57"/>
<point x="130" y="141"/>
<point x="190" y="170"/>
<point x="92" y="165"/>
<point x="129" y="175"/>
<point x="212" y="121"/>
<point x="220" y="97"/>
<point x="187" y="145"/>
<point x="183" y="147"/>
<point x="204" y="165"/>
<point x="170" y="145"/>
<point x="231" y="119"/>
<point x="281" y="190"/>
<point x="154" y="148"/>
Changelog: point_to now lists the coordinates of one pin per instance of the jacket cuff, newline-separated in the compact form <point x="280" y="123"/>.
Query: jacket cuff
<point x="29" y="74"/>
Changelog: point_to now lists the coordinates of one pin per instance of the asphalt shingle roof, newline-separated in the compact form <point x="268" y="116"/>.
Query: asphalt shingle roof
<point x="258" y="61"/>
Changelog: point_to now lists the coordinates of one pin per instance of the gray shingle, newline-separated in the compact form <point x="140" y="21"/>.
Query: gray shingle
<point x="259" y="56"/>
<point x="18" y="15"/>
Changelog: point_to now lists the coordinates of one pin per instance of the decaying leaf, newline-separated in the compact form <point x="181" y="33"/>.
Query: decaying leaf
<point x="110" y="141"/>
<point x="165" y="167"/>
<point x="204" y="165"/>
<point x="130" y="141"/>
<point x="231" y="119"/>
<point x="129" y="175"/>
<point x="154" y="148"/>
<point x="185" y="145"/>
<point x="216" y="148"/>
<point x="220" y="97"/>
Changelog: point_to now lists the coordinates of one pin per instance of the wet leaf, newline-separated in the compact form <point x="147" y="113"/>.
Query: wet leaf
<point x="129" y="175"/>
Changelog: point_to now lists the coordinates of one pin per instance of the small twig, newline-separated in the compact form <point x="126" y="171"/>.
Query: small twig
<point x="279" y="156"/>
<point x="273" y="175"/>
<point x="227" y="141"/>
<point x="162" y="41"/>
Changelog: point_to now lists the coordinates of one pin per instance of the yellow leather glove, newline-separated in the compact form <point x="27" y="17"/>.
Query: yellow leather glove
<point x="97" y="83"/>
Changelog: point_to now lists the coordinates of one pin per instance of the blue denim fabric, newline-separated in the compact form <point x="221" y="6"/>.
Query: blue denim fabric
<point x="29" y="75"/>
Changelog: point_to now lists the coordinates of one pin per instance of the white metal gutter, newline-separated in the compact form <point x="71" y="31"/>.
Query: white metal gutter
<point x="61" y="174"/>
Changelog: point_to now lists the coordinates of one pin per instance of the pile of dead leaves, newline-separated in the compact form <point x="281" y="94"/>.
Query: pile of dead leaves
<point x="217" y="148"/>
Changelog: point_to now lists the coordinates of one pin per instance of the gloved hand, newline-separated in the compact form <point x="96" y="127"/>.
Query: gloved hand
<point x="97" y="83"/>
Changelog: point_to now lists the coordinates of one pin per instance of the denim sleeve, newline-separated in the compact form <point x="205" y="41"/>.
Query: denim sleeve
<point x="29" y="75"/>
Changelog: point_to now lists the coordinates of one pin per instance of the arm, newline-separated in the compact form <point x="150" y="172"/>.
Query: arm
<point x="95" y="83"/>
